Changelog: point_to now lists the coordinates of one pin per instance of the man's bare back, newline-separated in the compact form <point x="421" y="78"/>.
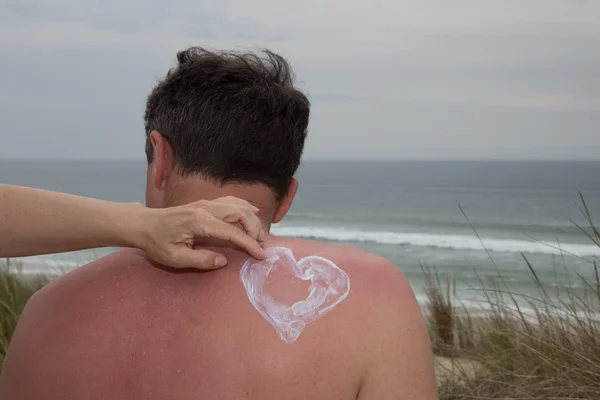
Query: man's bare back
<point x="225" y="124"/>
<point x="121" y="328"/>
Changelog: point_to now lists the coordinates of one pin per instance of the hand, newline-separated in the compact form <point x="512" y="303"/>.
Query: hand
<point x="171" y="233"/>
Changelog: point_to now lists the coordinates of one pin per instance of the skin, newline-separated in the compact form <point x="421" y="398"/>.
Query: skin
<point x="168" y="236"/>
<point x="119" y="329"/>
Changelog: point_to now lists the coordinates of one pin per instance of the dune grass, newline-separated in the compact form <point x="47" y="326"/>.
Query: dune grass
<point x="552" y="354"/>
<point x="552" y="351"/>
<point x="15" y="290"/>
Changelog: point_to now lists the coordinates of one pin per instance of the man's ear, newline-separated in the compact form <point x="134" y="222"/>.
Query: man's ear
<point x="286" y="202"/>
<point x="162" y="162"/>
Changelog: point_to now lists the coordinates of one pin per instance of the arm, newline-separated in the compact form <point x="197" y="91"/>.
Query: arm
<point x="34" y="221"/>
<point x="399" y="362"/>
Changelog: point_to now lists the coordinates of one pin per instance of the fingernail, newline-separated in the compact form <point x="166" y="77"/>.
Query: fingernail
<point x="220" y="261"/>
<point x="261" y="236"/>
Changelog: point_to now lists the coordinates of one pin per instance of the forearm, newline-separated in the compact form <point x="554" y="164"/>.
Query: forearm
<point x="34" y="221"/>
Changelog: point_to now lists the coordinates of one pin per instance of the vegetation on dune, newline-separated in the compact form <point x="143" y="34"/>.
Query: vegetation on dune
<point x="505" y="353"/>
<point x="15" y="290"/>
<point x="550" y="351"/>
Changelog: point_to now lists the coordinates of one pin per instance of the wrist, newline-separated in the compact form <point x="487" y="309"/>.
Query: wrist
<point x="130" y="224"/>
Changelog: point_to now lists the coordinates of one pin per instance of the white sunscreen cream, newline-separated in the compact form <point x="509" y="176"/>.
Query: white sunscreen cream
<point x="329" y="286"/>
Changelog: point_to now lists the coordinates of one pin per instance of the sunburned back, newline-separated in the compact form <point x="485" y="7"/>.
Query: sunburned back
<point x="120" y="328"/>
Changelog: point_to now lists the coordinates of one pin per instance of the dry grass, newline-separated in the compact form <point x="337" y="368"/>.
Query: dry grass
<point x="549" y="357"/>
<point x="15" y="290"/>
<point x="552" y="353"/>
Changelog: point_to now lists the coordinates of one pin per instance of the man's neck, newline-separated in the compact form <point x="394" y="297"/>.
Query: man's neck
<point x="190" y="190"/>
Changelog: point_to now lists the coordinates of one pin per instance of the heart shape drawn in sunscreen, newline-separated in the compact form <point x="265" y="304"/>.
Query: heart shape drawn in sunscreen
<point x="329" y="286"/>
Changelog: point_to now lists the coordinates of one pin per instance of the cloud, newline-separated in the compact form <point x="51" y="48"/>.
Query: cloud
<point x="473" y="68"/>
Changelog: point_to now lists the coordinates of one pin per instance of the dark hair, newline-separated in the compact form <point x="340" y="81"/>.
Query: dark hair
<point x="231" y="117"/>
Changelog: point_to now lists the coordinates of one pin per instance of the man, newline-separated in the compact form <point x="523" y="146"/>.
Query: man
<point x="312" y="321"/>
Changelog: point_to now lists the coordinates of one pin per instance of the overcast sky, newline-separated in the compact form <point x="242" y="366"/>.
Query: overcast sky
<point x="388" y="79"/>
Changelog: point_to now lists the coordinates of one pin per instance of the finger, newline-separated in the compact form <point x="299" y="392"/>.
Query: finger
<point x="235" y="236"/>
<point x="261" y="234"/>
<point x="199" y="259"/>
<point x="248" y="221"/>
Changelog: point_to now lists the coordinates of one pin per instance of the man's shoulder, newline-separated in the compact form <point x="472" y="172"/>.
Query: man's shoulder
<point x="388" y="322"/>
<point x="369" y="270"/>
<point x="72" y="308"/>
<point x="96" y="272"/>
<point x="91" y="286"/>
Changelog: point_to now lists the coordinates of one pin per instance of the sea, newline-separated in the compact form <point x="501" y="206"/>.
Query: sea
<point x="476" y="224"/>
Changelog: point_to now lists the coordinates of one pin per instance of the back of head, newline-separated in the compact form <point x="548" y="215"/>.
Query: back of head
<point x="231" y="117"/>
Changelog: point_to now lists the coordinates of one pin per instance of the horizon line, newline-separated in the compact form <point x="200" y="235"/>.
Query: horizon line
<point x="93" y="159"/>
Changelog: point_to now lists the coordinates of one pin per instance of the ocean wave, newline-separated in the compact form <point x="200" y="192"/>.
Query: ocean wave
<point x="442" y="241"/>
<point x="509" y="226"/>
<point x="56" y="264"/>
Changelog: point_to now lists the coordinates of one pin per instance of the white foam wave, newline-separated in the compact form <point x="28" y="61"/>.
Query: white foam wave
<point x="481" y="307"/>
<point x="457" y="242"/>
<point x="56" y="264"/>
